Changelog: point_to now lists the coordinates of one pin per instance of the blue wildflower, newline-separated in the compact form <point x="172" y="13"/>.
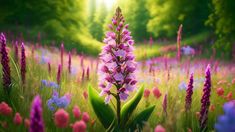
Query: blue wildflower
<point x="58" y="102"/>
<point x="226" y="122"/>
<point x="44" y="82"/>
<point x="182" y="86"/>
<point x="54" y="85"/>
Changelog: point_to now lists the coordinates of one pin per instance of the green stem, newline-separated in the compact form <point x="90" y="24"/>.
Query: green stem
<point x="118" y="109"/>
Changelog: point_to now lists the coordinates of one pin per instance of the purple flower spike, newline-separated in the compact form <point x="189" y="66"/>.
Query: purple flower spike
<point x="88" y="73"/>
<point x="69" y="63"/>
<point x="62" y="54"/>
<point x="164" y="104"/>
<point x="16" y="51"/>
<point x="205" y="100"/>
<point x="23" y="63"/>
<point x="36" y="119"/>
<point x="6" y="72"/>
<point x="58" y="77"/>
<point x="49" y="67"/>
<point x="118" y="66"/>
<point x="189" y="93"/>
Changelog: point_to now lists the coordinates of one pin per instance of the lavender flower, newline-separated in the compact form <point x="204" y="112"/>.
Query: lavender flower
<point x="58" y="77"/>
<point x="189" y="93"/>
<point x="36" y="119"/>
<point x="23" y="63"/>
<point x="179" y="41"/>
<point x="49" y="67"/>
<point x="118" y="65"/>
<point x="226" y="122"/>
<point x="88" y="73"/>
<point x="58" y="102"/>
<point x="16" y="51"/>
<point x="164" y="104"/>
<point x="6" y="72"/>
<point x="205" y="100"/>
<point x="83" y="74"/>
<point x="182" y="86"/>
<point x="69" y="63"/>
<point x="62" y="54"/>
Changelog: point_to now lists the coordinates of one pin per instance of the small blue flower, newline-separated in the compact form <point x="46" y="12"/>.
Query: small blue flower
<point x="182" y="86"/>
<point x="58" y="102"/>
<point x="53" y="85"/>
<point x="44" y="82"/>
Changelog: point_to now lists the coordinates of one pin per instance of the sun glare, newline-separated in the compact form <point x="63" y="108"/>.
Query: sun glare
<point x="109" y="3"/>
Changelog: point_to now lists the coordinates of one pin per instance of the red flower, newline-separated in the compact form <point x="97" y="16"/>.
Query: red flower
<point x="85" y="94"/>
<point x="220" y="91"/>
<point x="157" y="93"/>
<point x="61" y="118"/>
<point x="5" y="109"/>
<point x="146" y="93"/>
<point x="17" y="119"/>
<point x="212" y="107"/>
<point x="229" y="96"/>
<point x="79" y="126"/>
<point x="76" y="111"/>
<point x="85" y="117"/>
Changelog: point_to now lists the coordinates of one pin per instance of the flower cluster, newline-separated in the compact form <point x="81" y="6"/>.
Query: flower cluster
<point x="226" y="122"/>
<point x="58" y="102"/>
<point x="188" y="99"/>
<point x="23" y="63"/>
<point x="5" y="109"/>
<point x="117" y="60"/>
<point x="6" y="71"/>
<point x="205" y="101"/>
<point x="36" y="119"/>
<point x="50" y="84"/>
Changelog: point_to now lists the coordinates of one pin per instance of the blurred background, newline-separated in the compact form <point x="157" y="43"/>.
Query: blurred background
<point x="208" y="25"/>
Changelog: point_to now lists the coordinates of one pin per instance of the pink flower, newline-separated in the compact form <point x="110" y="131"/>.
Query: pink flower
<point x="157" y="93"/>
<point x="85" y="94"/>
<point x="17" y="119"/>
<point x="76" y="111"/>
<point x="26" y="123"/>
<point x="79" y="126"/>
<point x="5" y="109"/>
<point x="229" y="96"/>
<point x="61" y="118"/>
<point x="220" y="91"/>
<point x="159" y="128"/>
<point x="146" y="93"/>
<point x="85" y="117"/>
<point x="233" y="81"/>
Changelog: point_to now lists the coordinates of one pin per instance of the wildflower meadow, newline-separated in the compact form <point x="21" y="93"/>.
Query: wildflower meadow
<point x="122" y="66"/>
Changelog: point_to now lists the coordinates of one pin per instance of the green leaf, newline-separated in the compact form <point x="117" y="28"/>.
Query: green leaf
<point x="138" y="120"/>
<point x="130" y="106"/>
<point x="103" y="111"/>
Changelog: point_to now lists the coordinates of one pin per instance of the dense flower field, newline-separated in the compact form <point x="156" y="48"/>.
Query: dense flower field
<point x="52" y="89"/>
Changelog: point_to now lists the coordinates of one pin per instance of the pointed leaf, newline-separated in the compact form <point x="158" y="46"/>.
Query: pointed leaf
<point x="130" y="106"/>
<point x="138" y="120"/>
<point x="103" y="111"/>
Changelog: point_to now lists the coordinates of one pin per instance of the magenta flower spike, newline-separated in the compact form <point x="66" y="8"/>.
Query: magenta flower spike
<point x="88" y="73"/>
<point x="16" y="53"/>
<point x="189" y="93"/>
<point x="164" y="104"/>
<point x="62" y="54"/>
<point x="179" y="41"/>
<point x="83" y="74"/>
<point x="49" y="67"/>
<point x="205" y="100"/>
<point x="69" y="63"/>
<point x="23" y="63"/>
<point x="58" y="77"/>
<point x="36" y="119"/>
<point x="6" y="71"/>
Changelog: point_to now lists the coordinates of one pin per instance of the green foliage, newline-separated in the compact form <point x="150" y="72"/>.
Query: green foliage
<point x="130" y="106"/>
<point x="97" y="15"/>
<point x="139" y="120"/>
<point x="223" y="20"/>
<point x="167" y="15"/>
<point x="103" y="111"/>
